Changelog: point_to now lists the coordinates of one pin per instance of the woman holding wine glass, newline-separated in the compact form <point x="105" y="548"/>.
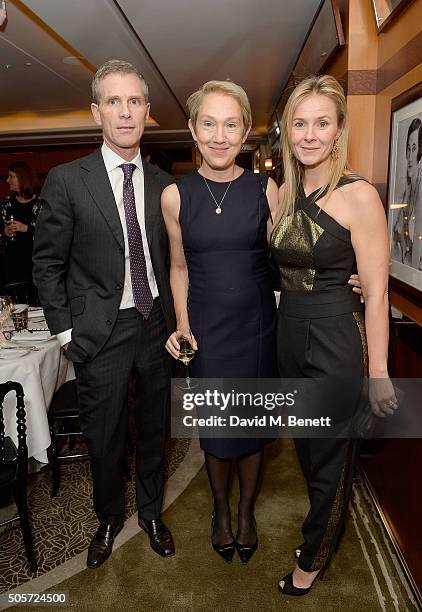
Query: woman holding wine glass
<point x="217" y="220"/>
<point x="18" y="215"/>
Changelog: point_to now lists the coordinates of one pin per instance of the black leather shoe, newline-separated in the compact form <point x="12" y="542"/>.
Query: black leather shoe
<point x="160" y="538"/>
<point x="102" y="544"/>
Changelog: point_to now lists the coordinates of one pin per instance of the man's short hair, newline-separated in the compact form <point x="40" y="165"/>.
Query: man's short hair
<point x="115" y="67"/>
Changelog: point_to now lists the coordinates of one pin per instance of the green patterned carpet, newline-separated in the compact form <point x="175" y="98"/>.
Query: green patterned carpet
<point x="362" y="577"/>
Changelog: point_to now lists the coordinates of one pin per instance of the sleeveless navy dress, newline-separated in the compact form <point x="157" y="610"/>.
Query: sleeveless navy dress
<point x="231" y="302"/>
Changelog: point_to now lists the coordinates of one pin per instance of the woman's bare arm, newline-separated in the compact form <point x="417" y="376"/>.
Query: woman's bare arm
<point x="368" y="228"/>
<point x="179" y="280"/>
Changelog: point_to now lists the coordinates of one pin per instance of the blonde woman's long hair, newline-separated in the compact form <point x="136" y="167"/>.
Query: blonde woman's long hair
<point x="325" y="85"/>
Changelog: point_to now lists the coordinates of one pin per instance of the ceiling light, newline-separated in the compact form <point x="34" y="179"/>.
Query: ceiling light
<point x="72" y="60"/>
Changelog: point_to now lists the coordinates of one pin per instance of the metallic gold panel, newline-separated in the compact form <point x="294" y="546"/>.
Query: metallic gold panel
<point x="360" y="322"/>
<point x="292" y="245"/>
<point x="336" y="516"/>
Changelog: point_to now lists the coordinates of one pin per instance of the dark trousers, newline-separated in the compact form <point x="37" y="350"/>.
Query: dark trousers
<point x="326" y="348"/>
<point x="329" y="466"/>
<point x="135" y="347"/>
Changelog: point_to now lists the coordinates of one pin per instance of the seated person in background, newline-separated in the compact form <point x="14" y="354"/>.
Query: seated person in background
<point x="18" y="215"/>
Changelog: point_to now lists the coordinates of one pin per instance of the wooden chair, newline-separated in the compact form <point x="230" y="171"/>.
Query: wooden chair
<point x="14" y="467"/>
<point x="23" y="292"/>
<point x="63" y="418"/>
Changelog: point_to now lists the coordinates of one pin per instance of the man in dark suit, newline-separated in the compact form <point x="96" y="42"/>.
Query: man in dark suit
<point x="100" y="265"/>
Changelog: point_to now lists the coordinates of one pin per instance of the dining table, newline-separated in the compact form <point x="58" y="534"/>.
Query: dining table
<point x="35" y="359"/>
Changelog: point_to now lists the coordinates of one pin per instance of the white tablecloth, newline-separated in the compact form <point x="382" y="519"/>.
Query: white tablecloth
<point x="40" y="373"/>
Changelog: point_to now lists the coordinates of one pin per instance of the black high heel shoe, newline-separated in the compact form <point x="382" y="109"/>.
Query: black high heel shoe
<point x="245" y="551"/>
<point x="226" y="551"/>
<point x="290" y="589"/>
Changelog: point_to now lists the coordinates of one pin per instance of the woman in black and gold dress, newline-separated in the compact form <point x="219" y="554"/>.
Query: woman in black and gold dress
<point x="330" y="224"/>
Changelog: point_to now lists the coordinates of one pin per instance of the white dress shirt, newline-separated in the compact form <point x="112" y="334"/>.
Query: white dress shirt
<point x="112" y="161"/>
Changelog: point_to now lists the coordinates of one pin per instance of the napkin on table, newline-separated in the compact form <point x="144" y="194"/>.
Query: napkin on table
<point x="36" y="336"/>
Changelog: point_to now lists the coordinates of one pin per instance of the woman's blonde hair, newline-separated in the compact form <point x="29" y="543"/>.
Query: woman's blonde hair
<point x="325" y="85"/>
<point x="227" y="88"/>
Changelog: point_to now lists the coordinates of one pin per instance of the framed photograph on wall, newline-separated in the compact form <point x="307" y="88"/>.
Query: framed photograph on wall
<point x="405" y="189"/>
<point x="386" y="10"/>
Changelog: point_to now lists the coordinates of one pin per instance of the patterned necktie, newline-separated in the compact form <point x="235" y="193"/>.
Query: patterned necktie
<point x="142" y="295"/>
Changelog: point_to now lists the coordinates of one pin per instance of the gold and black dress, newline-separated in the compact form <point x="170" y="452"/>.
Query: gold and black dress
<point x="320" y="334"/>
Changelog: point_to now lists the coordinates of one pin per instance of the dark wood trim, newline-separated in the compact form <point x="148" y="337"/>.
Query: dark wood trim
<point x="339" y="25"/>
<point x="403" y="296"/>
<point x="382" y="192"/>
<point x="406" y="97"/>
<point x="406" y="58"/>
<point x="391" y="16"/>
<point x="406" y="298"/>
<point x="392" y="536"/>
<point x="340" y="37"/>
<point x="362" y="82"/>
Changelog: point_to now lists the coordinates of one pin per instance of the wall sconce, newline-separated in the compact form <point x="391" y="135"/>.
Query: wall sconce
<point x="268" y="164"/>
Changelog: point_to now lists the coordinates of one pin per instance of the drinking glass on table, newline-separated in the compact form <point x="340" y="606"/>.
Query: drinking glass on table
<point x="8" y="301"/>
<point x="4" y="315"/>
<point x="20" y="317"/>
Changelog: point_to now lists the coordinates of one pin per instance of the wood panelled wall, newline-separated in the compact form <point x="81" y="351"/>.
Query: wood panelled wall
<point x="374" y="69"/>
<point x="42" y="160"/>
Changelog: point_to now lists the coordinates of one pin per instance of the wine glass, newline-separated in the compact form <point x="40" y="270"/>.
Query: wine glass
<point x="186" y="354"/>
<point x="8" y="222"/>
<point x="9" y="302"/>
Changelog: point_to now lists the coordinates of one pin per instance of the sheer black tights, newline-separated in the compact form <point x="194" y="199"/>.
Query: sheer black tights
<point x="219" y="471"/>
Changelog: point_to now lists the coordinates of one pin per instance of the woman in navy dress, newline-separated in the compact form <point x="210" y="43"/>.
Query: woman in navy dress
<point x="218" y="219"/>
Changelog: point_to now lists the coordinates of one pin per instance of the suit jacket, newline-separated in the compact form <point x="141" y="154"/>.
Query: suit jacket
<point x="79" y="252"/>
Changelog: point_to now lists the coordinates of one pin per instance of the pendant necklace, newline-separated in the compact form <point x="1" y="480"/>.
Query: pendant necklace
<point x="218" y="204"/>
